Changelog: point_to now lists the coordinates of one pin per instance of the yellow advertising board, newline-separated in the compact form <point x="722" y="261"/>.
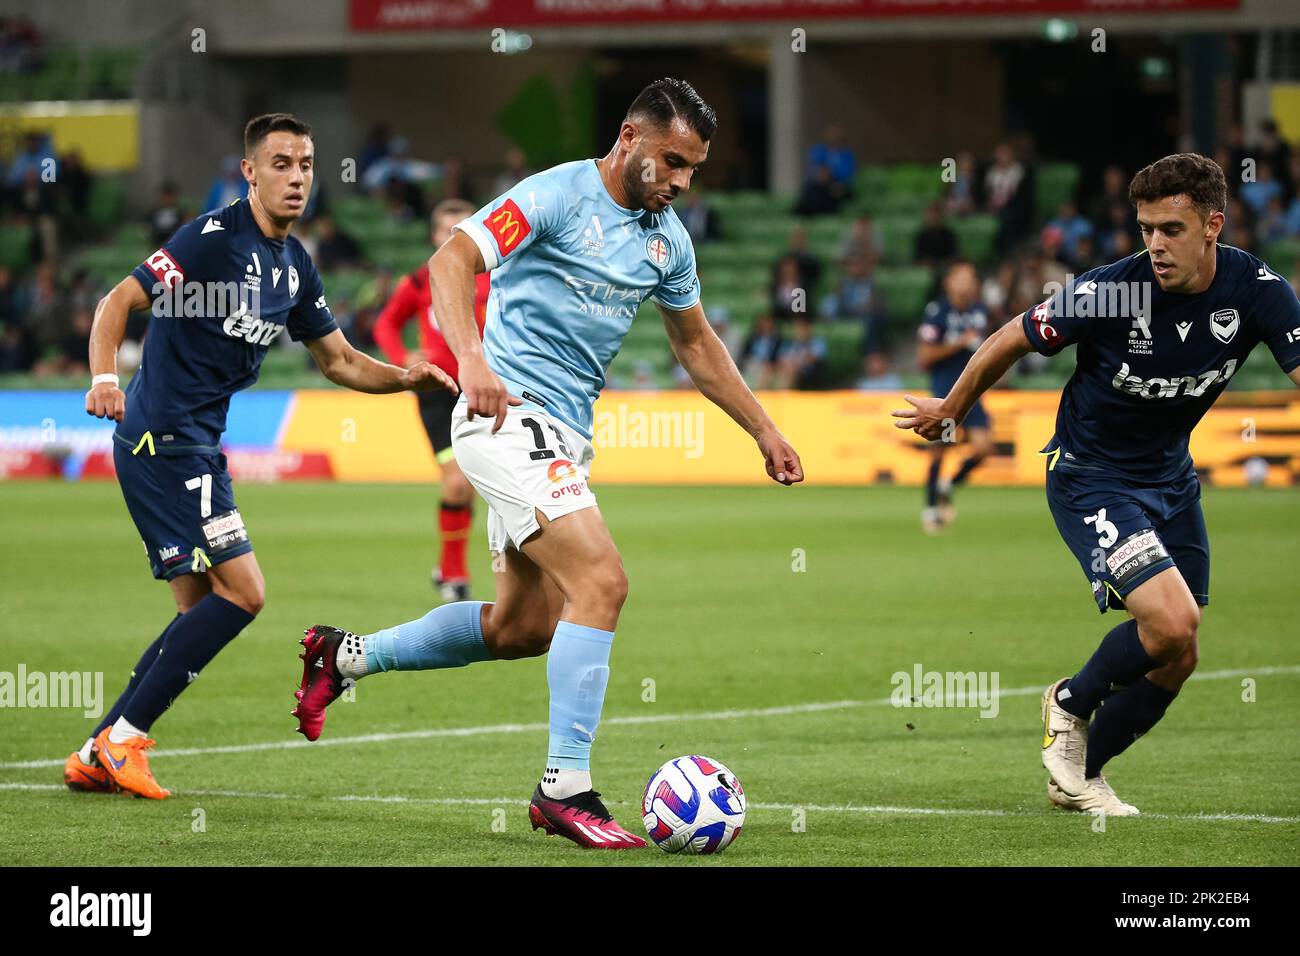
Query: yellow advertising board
<point x="844" y="438"/>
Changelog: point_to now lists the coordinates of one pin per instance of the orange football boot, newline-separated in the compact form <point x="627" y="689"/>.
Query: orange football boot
<point x="87" y="777"/>
<point x="128" y="765"/>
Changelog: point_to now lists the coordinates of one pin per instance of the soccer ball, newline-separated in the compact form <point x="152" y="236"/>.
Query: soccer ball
<point x="693" y="805"/>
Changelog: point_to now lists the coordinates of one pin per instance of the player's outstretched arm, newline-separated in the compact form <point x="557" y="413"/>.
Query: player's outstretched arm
<point x="354" y="369"/>
<point x="105" y="398"/>
<point x="929" y="416"/>
<point x="451" y="284"/>
<point x="711" y="368"/>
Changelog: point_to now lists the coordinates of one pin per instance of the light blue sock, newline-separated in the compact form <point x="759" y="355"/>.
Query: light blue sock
<point x="448" y="636"/>
<point x="577" y="670"/>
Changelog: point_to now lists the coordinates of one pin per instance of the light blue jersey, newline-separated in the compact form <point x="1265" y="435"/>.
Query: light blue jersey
<point x="572" y="268"/>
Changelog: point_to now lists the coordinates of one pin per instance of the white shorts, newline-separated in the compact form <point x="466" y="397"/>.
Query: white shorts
<point x="533" y="463"/>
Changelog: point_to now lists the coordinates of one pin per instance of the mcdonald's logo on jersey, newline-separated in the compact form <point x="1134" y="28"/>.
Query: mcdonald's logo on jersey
<point x="507" y="226"/>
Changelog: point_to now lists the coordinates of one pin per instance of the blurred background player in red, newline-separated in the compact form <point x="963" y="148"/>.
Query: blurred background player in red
<point x="412" y="300"/>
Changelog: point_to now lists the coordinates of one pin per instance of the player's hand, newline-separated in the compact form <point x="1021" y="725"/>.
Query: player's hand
<point x="780" y="459"/>
<point x="928" y="418"/>
<point x="106" y="400"/>
<point x="427" y="377"/>
<point x="485" y="393"/>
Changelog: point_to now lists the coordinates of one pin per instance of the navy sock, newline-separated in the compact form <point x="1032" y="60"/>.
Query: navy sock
<point x="967" y="466"/>
<point x="195" y="639"/>
<point x="137" y="675"/>
<point x="932" y="484"/>
<point x="1120" y="659"/>
<point x="1122" y="719"/>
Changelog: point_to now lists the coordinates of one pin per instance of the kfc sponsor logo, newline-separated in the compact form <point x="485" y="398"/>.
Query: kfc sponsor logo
<point x="164" y="268"/>
<point x="1040" y="316"/>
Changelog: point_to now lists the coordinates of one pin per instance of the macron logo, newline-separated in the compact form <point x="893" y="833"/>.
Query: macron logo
<point x="212" y="226"/>
<point x="73" y="909"/>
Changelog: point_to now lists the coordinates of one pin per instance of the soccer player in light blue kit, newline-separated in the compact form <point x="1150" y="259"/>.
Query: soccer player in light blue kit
<point x="576" y="249"/>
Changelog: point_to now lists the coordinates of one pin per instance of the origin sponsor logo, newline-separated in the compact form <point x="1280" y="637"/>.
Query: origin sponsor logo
<point x="1183" y="386"/>
<point x="561" y="470"/>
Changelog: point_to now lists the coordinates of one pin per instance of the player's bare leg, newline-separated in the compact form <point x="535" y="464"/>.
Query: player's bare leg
<point x="1148" y="657"/>
<point x="455" y="517"/>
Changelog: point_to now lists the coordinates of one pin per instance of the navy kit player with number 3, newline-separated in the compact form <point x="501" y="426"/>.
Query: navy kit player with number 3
<point x="1159" y="335"/>
<point x="221" y="291"/>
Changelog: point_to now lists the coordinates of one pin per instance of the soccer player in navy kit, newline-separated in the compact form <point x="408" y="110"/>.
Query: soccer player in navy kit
<point x="1159" y="335"/>
<point x="953" y="327"/>
<point x="221" y="291"/>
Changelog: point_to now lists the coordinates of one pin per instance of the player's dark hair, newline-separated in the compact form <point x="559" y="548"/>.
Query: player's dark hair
<point x="1191" y="174"/>
<point x="667" y="99"/>
<point x="259" y="127"/>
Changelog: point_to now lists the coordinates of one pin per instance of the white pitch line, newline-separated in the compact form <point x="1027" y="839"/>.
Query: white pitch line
<point x="435" y="732"/>
<point x="810" y="808"/>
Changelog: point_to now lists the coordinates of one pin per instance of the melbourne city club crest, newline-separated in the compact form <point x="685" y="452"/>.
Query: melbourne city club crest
<point x="656" y="247"/>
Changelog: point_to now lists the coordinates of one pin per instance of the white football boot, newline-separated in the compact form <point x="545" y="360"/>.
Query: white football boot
<point x="1096" y="797"/>
<point x="1065" y="744"/>
<point x="931" y="523"/>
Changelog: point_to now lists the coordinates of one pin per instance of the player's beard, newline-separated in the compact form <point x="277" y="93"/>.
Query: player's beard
<point x="636" y="189"/>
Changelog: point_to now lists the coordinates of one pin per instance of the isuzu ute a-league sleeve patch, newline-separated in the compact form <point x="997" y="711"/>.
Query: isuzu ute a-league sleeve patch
<point x="1130" y="557"/>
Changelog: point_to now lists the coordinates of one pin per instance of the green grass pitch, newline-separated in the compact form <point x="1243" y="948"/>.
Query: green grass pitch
<point x="718" y="623"/>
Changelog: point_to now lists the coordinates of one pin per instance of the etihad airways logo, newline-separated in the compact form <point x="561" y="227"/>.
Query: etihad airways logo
<point x="1182" y="386"/>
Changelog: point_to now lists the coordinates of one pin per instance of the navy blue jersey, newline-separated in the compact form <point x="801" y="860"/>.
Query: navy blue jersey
<point x="944" y="325"/>
<point x="1150" y="363"/>
<point x="221" y="293"/>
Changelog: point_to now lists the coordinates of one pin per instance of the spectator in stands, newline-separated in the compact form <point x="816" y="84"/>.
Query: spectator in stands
<point x="1008" y="188"/>
<point x="36" y="157"/>
<point x="1235" y="144"/>
<point x="834" y="156"/>
<point x="227" y="187"/>
<point x="15" y="343"/>
<point x="35" y="202"/>
<point x="167" y="214"/>
<point x="935" y="242"/>
<point x="374" y="148"/>
<point x="821" y="195"/>
<point x="810" y="267"/>
<point x="788" y="295"/>
<point x="1243" y="237"/>
<point x="1051" y="242"/>
<point x="49" y="316"/>
<point x="514" y="170"/>
<point x="74" y="188"/>
<point x="857" y="297"/>
<point x="757" y="359"/>
<point x="335" y="249"/>
<point x="70" y="354"/>
<point x="1085" y="255"/>
<point x="861" y="239"/>
<point x="878" y="374"/>
<point x="1114" y="192"/>
<point x="962" y="198"/>
<point x="370" y="300"/>
<point x="398" y="164"/>
<point x="452" y="183"/>
<point x="1275" y="151"/>
<point x="1272" y="224"/>
<point x="1292" y="221"/>
<point x="698" y="217"/>
<point x="801" y="360"/>
<point x="1072" y="226"/>
<point x="1258" y="194"/>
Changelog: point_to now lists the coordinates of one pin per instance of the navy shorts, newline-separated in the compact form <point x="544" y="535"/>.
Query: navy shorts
<point x="977" y="417"/>
<point x="1123" y="533"/>
<point x="183" y="506"/>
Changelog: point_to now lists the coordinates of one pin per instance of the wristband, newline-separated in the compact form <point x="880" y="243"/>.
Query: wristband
<point x="108" y="377"/>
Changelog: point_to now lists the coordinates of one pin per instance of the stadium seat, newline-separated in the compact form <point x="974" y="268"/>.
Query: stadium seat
<point x="1055" y="183"/>
<point x="975" y="235"/>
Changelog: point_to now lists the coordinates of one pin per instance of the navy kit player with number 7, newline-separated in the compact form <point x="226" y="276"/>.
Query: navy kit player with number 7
<point x="1159" y="335"/>
<point x="221" y="291"/>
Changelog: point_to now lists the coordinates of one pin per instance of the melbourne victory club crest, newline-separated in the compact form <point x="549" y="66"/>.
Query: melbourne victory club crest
<point x="656" y="247"/>
<point x="1224" y="323"/>
<point x="293" y="282"/>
